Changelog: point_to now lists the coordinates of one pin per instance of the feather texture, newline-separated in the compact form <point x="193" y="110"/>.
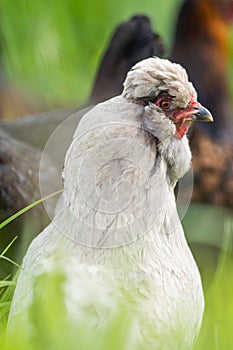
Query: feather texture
<point x="116" y="230"/>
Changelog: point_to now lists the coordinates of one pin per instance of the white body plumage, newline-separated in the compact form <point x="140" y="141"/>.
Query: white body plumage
<point x="116" y="228"/>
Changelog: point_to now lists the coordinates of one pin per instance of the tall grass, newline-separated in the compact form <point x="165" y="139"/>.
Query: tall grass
<point x="217" y="324"/>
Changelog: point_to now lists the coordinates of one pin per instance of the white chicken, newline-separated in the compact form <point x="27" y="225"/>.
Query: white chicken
<point x="116" y="231"/>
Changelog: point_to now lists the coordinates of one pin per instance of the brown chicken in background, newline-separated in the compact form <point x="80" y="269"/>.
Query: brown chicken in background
<point x="201" y="45"/>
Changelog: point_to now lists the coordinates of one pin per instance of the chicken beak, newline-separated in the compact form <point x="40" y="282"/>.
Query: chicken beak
<point x="203" y="115"/>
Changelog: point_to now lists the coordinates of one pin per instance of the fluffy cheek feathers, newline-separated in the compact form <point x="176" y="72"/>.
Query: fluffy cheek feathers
<point x="178" y="157"/>
<point x="174" y="148"/>
<point x="158" y="124"/>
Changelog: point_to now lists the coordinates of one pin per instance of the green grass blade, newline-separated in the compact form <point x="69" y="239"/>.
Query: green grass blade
<point x="28" y="207"/>
<point x="7" y="283"/>
<point x="3" y="257"/>
<point x="8" y="246"/>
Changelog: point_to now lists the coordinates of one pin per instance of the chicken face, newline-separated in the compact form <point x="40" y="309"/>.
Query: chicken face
<point x="182" y="117"/>
<point x="165" y="88"/>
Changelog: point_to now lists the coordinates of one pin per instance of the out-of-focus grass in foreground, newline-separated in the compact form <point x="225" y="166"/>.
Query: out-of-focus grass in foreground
<point x="49" y="327"/>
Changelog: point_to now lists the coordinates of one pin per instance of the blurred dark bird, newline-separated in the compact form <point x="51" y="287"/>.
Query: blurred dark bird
<point x="132" y="41"/>
<point x="20" y="174"/>
<point x="201" y="45"/>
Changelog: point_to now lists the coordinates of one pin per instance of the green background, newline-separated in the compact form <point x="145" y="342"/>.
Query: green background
<point x="52" y="47"/>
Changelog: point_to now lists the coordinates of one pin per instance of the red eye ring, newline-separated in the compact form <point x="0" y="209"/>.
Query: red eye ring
<point x="165" y="104"/>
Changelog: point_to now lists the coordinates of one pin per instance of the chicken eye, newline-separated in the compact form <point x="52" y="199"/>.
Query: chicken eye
<point x="165" y="104"/>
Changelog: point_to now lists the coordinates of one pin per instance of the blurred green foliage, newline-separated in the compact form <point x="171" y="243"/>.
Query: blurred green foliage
<point x="51" y="48"/>
<point x="49" y="328"/>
